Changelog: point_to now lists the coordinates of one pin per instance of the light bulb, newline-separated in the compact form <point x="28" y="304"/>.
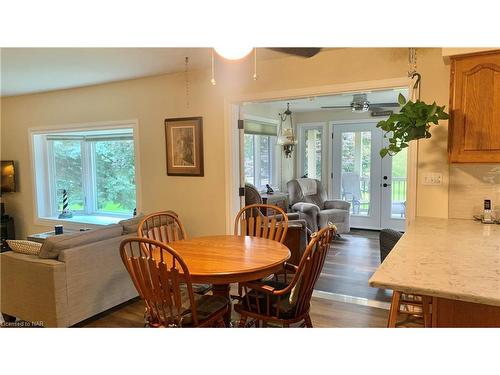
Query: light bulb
<point x="233" y="52"/>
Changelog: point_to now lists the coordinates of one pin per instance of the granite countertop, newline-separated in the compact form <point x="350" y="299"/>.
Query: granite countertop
<point x="449" y="258"/>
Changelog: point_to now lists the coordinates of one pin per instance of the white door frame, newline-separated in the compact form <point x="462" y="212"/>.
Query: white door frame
<point x="231" y="149"/>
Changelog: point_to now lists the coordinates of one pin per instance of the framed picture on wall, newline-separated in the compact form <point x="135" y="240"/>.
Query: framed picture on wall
<point x="184" y="138"/>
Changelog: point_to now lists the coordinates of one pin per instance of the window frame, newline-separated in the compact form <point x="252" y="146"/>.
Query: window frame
<point x="41" y="160"/>
<point x="272" y="154"/>
<point x="301" y="147"/>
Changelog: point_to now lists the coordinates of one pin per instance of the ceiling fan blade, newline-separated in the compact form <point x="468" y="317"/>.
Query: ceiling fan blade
<point x="384" y="105"/>
<point x="298" y="51"/>
<point x="336" y="106"/>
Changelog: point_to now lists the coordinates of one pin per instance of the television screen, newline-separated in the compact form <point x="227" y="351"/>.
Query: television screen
<point x="8" y="176"/>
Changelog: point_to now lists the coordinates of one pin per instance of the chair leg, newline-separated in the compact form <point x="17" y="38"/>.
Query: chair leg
<point x="393" y="313"/>
<point x="308" y="322"/>
<point x="286" y="325"/>
<point x="426" y="308"/>
<point x="243" y="321"/>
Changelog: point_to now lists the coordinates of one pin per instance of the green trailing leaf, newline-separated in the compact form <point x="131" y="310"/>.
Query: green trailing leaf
<point x="401" y="99"/>
<point x="433" y="109"/>
<point x="412" y="122"/>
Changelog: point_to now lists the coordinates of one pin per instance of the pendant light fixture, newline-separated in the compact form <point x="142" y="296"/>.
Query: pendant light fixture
<point x="286" y="138"/>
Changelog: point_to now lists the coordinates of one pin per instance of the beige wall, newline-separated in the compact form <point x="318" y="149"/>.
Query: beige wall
<point x="201" y="200"/>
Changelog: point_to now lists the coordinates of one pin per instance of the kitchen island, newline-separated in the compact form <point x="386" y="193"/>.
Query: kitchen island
<point x="454" y="261"/>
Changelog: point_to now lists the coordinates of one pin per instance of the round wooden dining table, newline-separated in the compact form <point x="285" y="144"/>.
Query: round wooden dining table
<point x="225" y="259"/>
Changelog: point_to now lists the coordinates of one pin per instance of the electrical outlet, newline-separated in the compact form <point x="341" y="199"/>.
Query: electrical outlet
<point x="432" y="179"/>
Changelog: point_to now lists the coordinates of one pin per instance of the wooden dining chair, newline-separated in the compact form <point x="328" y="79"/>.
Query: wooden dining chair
<point x="287" y="303"/>
<point x="162" y="280"/>
<point x="166" y="227"/>
<point x="261" y="220"/>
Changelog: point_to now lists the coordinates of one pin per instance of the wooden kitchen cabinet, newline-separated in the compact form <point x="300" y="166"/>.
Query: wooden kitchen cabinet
<point x="474" y="125"/>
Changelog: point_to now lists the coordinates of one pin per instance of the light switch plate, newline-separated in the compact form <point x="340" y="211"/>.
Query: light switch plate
<point x="432" y="179"/>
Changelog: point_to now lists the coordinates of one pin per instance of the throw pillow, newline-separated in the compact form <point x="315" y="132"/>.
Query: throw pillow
<point x="24" y="247"/>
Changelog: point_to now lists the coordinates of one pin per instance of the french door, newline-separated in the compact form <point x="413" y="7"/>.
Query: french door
<point x="375" y="187"/>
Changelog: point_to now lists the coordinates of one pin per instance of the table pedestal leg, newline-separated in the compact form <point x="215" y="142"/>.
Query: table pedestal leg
<point x="223" y="291"/>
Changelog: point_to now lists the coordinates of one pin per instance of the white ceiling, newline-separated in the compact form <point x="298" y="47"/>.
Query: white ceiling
<point x="315" y="103"/>
<point x="30" y="70"/>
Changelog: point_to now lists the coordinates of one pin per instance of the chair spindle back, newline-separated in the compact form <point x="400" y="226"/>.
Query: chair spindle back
<point x="262" y="220"/>
<point x="311" y="265"/>
<point x="161" y="277"/>
<point x="162" y="226"/>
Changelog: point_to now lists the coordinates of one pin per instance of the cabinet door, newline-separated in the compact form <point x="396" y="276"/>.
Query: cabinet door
<point x="474" y="128"/>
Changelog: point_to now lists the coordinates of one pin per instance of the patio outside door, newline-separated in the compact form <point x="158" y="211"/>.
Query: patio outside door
<point x="375" y="187"/>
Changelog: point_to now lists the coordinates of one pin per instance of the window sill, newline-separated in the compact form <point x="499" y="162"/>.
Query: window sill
<point x="92" y="220"/>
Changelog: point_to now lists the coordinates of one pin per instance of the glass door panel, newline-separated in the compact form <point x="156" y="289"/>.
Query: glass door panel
<point x="394" y="185"/>
<point x="356" y="172"/>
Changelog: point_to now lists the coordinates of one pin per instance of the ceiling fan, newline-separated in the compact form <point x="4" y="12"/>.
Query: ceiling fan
<point x="298" y="51"/>
<point x="361" y="104"/>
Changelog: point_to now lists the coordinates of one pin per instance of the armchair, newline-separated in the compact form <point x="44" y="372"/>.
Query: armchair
<point x="309" y="198"/>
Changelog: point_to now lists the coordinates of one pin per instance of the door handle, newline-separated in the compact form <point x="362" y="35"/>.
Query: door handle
<point x="385" y="185"/>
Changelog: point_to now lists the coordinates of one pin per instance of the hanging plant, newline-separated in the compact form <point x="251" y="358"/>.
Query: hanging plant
<point x="412" y="122"/>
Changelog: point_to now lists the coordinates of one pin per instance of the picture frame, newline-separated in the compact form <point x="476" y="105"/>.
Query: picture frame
<point x="184" y="146"/>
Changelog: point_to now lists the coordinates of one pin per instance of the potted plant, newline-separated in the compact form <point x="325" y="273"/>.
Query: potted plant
<point x="412" y="122"/>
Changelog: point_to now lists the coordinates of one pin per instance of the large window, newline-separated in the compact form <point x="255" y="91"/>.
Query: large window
<point x="95" y="169"/>
<point x="260" y="155"/>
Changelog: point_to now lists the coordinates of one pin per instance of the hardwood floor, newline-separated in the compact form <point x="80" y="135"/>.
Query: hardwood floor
<point x="351" y="261"/>
<point x="324" y="314"/>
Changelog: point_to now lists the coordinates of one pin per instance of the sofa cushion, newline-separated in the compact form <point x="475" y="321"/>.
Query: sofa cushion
<point x="130" y="225"/>
<point x="53" y="245"/>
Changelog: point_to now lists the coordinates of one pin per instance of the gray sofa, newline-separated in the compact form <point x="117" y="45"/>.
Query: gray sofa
<point x="75" y="277"/>
<point x="307" y="196"/>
